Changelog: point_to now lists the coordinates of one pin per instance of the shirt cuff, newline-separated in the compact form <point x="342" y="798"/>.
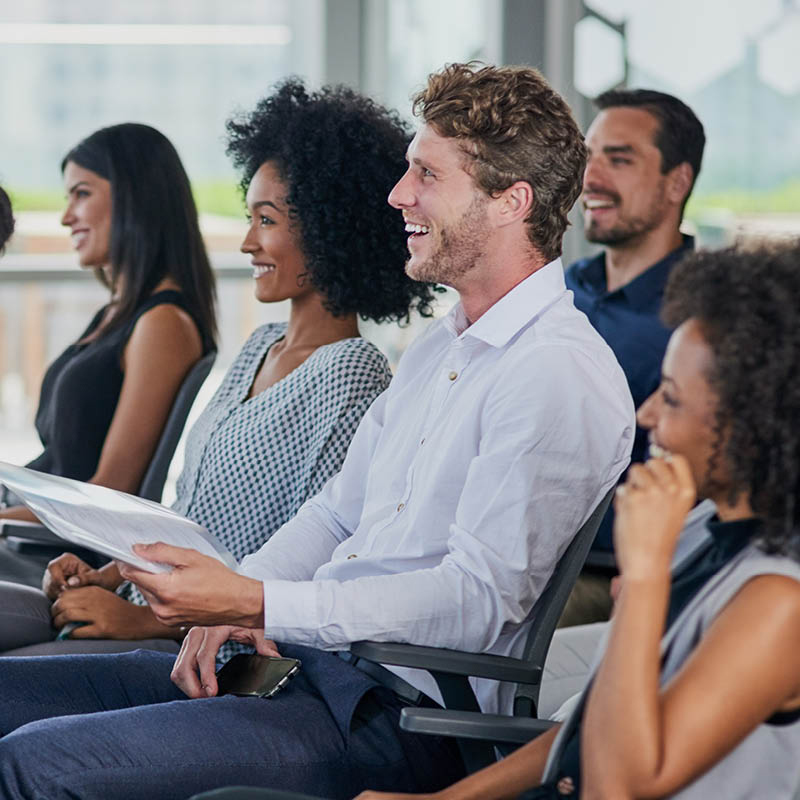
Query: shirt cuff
<point x="290" y="612"/>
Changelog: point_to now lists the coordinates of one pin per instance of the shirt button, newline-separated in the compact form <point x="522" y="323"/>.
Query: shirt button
<point x="401" y="506"/>
<point x="352" y="555"/>
<point x="453" y="376"/>
<point x="422" y="443"/>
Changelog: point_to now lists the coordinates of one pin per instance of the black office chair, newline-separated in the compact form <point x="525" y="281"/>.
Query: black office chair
<point x="39" y="545"/>
<point x="461" y="717"/>
<point x="152" y="486"/>
<point x="477" y="733"/>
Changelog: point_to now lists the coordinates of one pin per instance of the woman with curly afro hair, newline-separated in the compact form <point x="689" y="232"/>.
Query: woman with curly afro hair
<point x="332" y="157"/>
<point x="698" y="692"/>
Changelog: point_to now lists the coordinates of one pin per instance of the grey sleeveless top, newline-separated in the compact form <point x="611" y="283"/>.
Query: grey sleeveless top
<point x="767" y="762"/>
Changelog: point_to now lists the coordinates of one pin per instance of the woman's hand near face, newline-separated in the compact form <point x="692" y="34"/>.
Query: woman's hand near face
<point x="650" y="510"/>
<point x="108" y="616"/>
<point x="69" y="571"/>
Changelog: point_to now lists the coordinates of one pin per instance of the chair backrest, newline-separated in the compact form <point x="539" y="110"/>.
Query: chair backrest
<point x="451" y="668"/>
<point x="548" y="608"/>
<point x="152" y="485"/>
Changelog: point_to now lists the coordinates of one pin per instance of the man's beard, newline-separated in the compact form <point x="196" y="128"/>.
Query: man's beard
<point x="460" y="246"/>
<point x="628" y="228"/>
<point x="621" y="233"/>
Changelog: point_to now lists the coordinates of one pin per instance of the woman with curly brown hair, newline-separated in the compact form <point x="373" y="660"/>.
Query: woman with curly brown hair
<point x="698" y="692"/>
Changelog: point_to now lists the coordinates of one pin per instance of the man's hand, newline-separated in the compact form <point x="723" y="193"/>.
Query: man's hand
<point x="200" y="590"/>
<point x="69" y="571"/>
<point x="194" y="670"/>
<point x="108" y="616"/>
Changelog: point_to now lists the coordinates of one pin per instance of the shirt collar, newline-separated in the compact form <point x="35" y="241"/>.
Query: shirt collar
<point x="644" y="291"/>
<point x="513" y="310"/>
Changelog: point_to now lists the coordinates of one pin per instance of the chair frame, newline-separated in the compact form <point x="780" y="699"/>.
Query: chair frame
<point x="461" y="716"/>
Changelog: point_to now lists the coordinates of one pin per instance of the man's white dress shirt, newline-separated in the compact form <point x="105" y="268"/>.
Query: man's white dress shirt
<point x="463" y="485"/>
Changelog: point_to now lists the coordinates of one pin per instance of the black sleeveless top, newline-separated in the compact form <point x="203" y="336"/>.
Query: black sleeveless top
<point x="79" y="396"/>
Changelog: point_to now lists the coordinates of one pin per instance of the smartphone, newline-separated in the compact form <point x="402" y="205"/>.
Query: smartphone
<point x="249" y="675"/>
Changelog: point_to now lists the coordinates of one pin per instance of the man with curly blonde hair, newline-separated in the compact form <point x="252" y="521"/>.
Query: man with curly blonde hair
<point x="513" y="144"/>
<point x="512" y="126"/>
<point x="505" y="424"/>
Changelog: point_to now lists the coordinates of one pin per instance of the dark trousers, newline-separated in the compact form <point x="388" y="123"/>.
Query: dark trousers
<point x="332" y="732"/>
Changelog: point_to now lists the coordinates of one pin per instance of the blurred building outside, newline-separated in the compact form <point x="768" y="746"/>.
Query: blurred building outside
<point x="185" y="66"/>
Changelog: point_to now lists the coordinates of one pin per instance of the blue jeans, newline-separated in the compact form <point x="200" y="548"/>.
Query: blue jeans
<point x="332" y="732"/>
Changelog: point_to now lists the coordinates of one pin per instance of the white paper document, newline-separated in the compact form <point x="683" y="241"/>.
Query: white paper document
<point x="106" y="520"/>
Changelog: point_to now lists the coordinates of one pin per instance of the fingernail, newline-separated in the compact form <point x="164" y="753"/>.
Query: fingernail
<point x="73" y="581"/>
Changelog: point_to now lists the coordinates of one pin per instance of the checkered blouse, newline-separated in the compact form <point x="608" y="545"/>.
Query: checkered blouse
<point x="250" y="463"/>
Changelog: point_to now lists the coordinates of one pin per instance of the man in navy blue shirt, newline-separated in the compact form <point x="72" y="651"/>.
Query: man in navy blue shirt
<point x="645" y="149"/>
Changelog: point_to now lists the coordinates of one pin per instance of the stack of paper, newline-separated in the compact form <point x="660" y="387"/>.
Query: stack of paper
<point x="106" y="520"/>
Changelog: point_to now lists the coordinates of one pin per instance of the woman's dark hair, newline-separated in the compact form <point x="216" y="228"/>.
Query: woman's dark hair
<point x="154" y="228"/>
<point x="747" y="304"/>
<point x="6" y="219"/>
<point x="339" y="154"/>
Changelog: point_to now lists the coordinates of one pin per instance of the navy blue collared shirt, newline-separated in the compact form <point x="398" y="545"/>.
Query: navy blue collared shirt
<point x="628" y="319"/>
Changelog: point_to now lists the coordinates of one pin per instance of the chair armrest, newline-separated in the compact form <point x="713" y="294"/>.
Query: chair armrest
<point x="453" y="662"/>
<point x="34" y="539"/>
<point x="497" y="728"/>
<point x="30" y="531"/>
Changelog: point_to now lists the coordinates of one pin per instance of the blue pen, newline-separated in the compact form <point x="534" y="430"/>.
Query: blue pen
<point x="66" y="631"/>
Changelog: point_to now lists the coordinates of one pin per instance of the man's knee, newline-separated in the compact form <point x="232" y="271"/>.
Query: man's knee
<point x="25" y="768"/>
